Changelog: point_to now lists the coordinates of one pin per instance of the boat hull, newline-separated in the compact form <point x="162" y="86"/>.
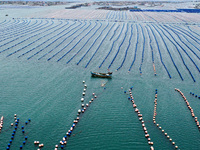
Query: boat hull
<point x="101" y="75"/>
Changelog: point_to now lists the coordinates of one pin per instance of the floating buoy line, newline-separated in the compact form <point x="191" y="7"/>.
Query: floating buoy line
<point x="158" y="125"/>
<point x="16" y="126"/>
<point x="152" y="55"/>
<point x="195" y="95"/>
<point x="1" y="124"/>
<point x="140" y="118"/>
<point x="80" y="113"/>
<point x="189" y="107"/>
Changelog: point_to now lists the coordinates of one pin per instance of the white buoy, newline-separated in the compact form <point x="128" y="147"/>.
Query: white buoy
<point x="83" y="93"/>
<point x="79" y="111"/>
<point x="83" y="81"/>
<point x="82" y="99"/>
<point x="41" y="145"/>
<point x="152" y="148"/>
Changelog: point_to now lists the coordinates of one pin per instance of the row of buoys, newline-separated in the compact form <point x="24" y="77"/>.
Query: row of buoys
<point x="150" y="17"/>
<point x="85" y="42"/>
<point x="93" y="43"/>
<point x="136" y="18"/>
<point x="22" y="40"/>
<point x="152" y="56"/>
<point x="14" y="131"/>
<point x="25" y="30"/>
<point x="37" y="143"/>
<point x="189" y="107"/>
<point x="64" y="140"/>
<point x="10" y="25"/>
<point x="140" y="118"/>
<point x="112" y="46"/>
<point x="1" y="123"/>
<point x="158" y="125"/>
<point x="117" y="15"/>
<point x="78" y="35"/>
<point x="21" y="28"/>
<point x="39" y="28"/>
<point x="168" y="51"/>
<point x="56" y="40"/>
<point x="143" y="48"/>
<point x="188" y="41"/>
<point x="188" y="33"/>
<point x="4" y="21"/>
<point x="119" y="48"/>
<point x="137" y="41"/>
<point x="183" y="48"/>
<point x="194" y="95"/>
<point x="160" y="52"/>
<point x="186" y="44"/>
<point x="38" y="39"/>
<point x="80" y="27"/>
<point x="193" y="31"/>
<point x="44" y="41"/>
<point x="99" y="45"/>
<point x="114" y="32"/>
<point x="15" y="26"/>
<point x="129" y="43"/>
<point x="178" y="51"/>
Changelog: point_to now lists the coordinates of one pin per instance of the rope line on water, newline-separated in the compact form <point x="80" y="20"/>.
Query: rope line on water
<point x="129" y="43"/>
<point x="140" y="68"/>
<point x="158" y="47"/>
<point x="34" y="41"/>
<point x="75" y="44"/>
<point x="152" y="56"/>
<point x="178" y="52"/>
<point x="112" y="46"/>
<point x="85" y="43"/>
<point x="119" y="47"/>
<point x="137" y="37"/>
<point x="99" y="46"/>
<point x="169" y="52"/>
<point x="184" y="49"/>
<point x="92" y="45"/>
<point x="49" y="40"/>
<point x="114" y="32"/>
<point x="38" y="29"/>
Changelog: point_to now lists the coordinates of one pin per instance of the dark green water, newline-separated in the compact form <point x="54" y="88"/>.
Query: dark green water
<point x="49" y="94"/>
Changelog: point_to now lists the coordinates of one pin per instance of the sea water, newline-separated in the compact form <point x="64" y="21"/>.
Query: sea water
<point x="49" y="93"/>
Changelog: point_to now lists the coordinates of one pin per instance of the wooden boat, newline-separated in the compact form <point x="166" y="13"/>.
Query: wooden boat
<point x="101" y="75"/>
